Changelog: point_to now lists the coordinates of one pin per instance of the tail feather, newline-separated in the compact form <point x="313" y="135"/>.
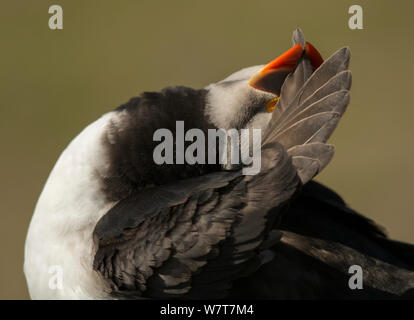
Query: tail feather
<point x="311" y="158"/>
<point x="310" y="106"/>
<point x="337" y="63"/>
<point x="339" y="83"/>
<point x="335" y="102"/>
<point x="295" y="95"/>
<point x="304" y="130"/>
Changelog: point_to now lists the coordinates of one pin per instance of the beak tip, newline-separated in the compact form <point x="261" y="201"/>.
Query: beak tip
<point x="271" y="77"/>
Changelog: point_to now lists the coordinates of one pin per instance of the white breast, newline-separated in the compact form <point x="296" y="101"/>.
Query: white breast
<point x="59" y="246"/>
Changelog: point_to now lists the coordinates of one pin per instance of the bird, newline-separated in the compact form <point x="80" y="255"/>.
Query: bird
<point x="110" y="223"/>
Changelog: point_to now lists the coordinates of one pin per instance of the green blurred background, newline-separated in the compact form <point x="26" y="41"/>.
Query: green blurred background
<point x="54" y="83"/>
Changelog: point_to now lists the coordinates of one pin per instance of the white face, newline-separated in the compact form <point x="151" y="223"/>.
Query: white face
<point x="233" y="103"/>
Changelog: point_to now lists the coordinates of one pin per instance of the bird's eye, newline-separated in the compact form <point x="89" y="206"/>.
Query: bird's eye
<point x="271" y="104"/>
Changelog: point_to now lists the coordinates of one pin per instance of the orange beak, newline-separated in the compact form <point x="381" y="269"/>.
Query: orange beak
<point x="272" y="76"/>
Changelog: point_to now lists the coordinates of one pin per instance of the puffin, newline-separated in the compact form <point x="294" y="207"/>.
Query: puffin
<point x="112" y="223"/>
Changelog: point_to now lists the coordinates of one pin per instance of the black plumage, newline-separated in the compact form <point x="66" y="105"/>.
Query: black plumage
<point x="320" y="239"/>
<point x="130" y="143"/>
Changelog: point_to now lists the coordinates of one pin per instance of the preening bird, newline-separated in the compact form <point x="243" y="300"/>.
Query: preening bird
<point x="112" y="224"/>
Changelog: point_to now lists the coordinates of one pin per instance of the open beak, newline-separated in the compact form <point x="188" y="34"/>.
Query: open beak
<point x="272" y="76"/>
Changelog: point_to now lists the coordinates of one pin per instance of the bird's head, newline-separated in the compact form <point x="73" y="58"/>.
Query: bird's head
<point x="247" y="98"/>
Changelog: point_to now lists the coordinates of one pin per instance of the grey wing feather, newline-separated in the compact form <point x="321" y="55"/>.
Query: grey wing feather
<point x="310" y="107"/>
<point x="310" y="159"/>
<point x="298" y="37"/>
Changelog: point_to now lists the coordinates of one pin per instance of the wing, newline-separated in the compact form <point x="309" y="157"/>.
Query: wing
<point x="319" y="212"/>
<point x="320" y="238"/>
<point x="192" y="238"/>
